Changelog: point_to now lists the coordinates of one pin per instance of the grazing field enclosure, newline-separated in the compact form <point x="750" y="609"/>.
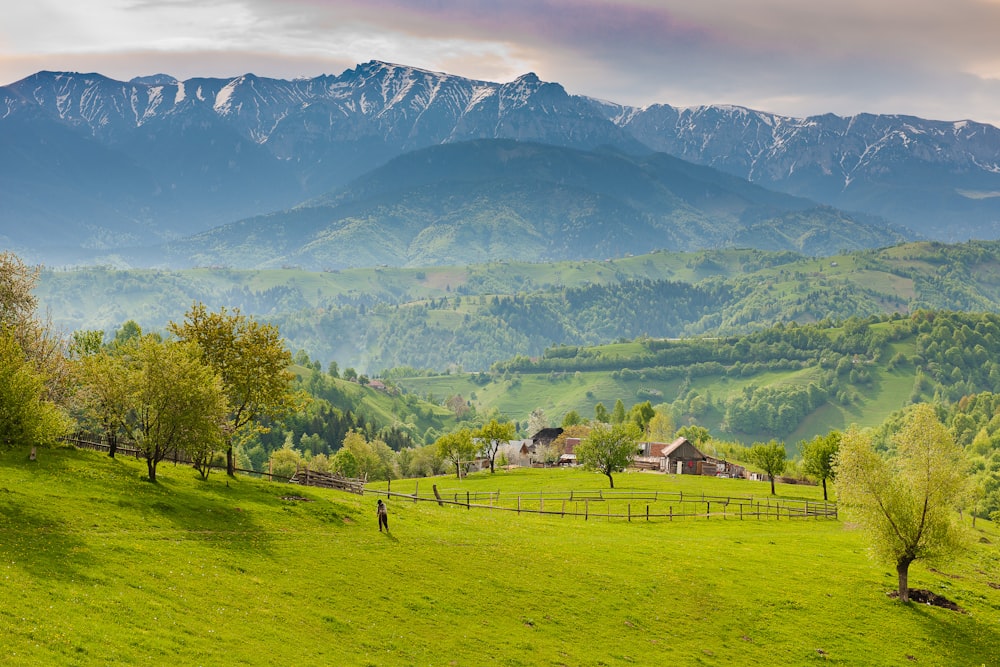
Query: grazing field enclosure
<point x="100" y="566"/>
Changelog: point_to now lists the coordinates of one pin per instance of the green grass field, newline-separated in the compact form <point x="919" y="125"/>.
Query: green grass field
<point x="98" y="566"/>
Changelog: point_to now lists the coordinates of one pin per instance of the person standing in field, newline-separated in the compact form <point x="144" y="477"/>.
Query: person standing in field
<point x="383" y="516"/>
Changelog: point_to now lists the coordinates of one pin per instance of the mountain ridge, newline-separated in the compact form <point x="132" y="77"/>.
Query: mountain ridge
<point x="209" y="151"/>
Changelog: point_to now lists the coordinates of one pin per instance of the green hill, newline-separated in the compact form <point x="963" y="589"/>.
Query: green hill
<point x="483" y="200"/>
<point x="99" y="566"/>
<point x="789" y="382"/>
<point x="472" y="316"/>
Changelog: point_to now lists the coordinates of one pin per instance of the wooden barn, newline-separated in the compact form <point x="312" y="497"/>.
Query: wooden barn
<point x="683" y="458"/>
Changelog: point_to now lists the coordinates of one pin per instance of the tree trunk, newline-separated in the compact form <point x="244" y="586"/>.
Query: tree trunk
<point x="771" y="477"/>
<point x="151" y="468"/>
<point x="903" y="570"/>
<point x="824" y="488"/>
<point x="230" y="463"/>
<point x="611" y="479"/>
<point x="491" y="464"/>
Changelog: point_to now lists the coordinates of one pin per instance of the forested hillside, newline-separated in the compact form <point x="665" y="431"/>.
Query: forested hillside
<point x="470" y="317"/>
<point x="788" y="381"/>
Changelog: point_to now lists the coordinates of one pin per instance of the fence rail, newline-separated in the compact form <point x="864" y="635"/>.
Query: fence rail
<point x="628" y="505"/>
<point x="611" y="504"/>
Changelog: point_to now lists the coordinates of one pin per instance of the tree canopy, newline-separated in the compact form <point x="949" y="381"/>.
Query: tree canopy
<point x="609" y="448"/>
<point x="769" y="457"/>
<point x="491" y="436"/>
<point x="818" y="455"/>
<point x="907" y="504"/>
<point x="251" y="360"/>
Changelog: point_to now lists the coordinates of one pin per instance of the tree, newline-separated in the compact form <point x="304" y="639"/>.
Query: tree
<point x="618" y="412"/>
<point x="609" y="449"/>
<point x="175" y="401"/>
<point x="571" y="418"/>
<point x="660" y="428"/>
<point x="906" y="504"/>
<point x="601" y="414"/>
<point x="697" y="435"/>
<point x="455" y="448"/>
<point x="491" y="436"/>
<point x="43" y="348"/>
<point x="769" y="457"/>
<point x="537" y="421"/>
<point x="104" y="392"/>
<point x="818" y="455"/>
<point x="26" y="416"/>
<point x="641" y="414"/>
<point x="251" y="360"/>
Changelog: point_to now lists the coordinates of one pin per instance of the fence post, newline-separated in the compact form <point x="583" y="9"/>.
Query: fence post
<point x="586" y="509"/>
<point x="468" y="505"/>
<point x="671" y="512"/>
<point x="438" y="496"/>
<point x="647" y="512"/>
<point x="708" y="508"/>
<point x="630" y="512"/>
<point x="564" y="508"/>
<point x="416" y="491"/>
<point x="519" y="503"/>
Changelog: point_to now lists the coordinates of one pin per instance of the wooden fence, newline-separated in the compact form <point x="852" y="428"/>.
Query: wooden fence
<point x="329" y="480"/>
<point x="632" y="505"/>
<point x="304" y="477"/>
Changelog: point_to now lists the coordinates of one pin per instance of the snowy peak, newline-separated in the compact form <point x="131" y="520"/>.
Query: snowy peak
<point x="322" y="132"/>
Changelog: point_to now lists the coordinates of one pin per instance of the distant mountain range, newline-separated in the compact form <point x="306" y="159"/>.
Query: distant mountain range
<point x="106" y="165"/>
<point x="477" y="201"/>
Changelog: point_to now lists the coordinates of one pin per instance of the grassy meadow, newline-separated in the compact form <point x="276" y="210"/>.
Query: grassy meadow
<point x="99" y="566"/>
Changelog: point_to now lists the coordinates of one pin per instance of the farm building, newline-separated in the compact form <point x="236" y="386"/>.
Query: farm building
<point x="724" y="468"/>
<point x="568" y="456"/>
<point x="683" y="458"/>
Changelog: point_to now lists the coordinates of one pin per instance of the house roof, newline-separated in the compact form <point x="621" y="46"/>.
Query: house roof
<point x="677" y="444"/>
<point x="547" y="434"/>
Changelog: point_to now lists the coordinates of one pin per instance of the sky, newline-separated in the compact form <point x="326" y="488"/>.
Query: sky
<point x="928" y="58"/>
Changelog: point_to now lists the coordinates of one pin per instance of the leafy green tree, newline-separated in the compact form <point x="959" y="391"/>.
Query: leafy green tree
<point x="175" y="401"/>
<point x="769" y="457"/>
<point x="455" y="448"/>
<point x="660" y="427"/>
<point x="697" y="435"/>
<point x="40" y="344"/>
<point x="86" y="341"/>
<point x="491" y="436"/>
<point x="818" y="456"/>
<point x="618" y="412"/>
<point x="609" y="449"/>
<point x="284" y="462"/>
<point x="373" y="458"/>
<point x="906" y="504"/>
<point x="601" y="414"/>
<point x="641" y="414"/>
<point x="571" y="418"/>
<point x="26" y="416"/>
<point x="252" y="361"/>
<point x="104" y="392"/>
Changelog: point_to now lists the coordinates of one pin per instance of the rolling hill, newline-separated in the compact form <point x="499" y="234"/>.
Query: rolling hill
<point x="490" y="200"/>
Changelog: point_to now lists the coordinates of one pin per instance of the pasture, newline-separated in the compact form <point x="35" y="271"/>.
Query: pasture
<point x="99" y="566"/>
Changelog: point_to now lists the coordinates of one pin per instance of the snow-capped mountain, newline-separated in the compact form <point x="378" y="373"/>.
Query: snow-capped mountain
<point x="91" y="161"/>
